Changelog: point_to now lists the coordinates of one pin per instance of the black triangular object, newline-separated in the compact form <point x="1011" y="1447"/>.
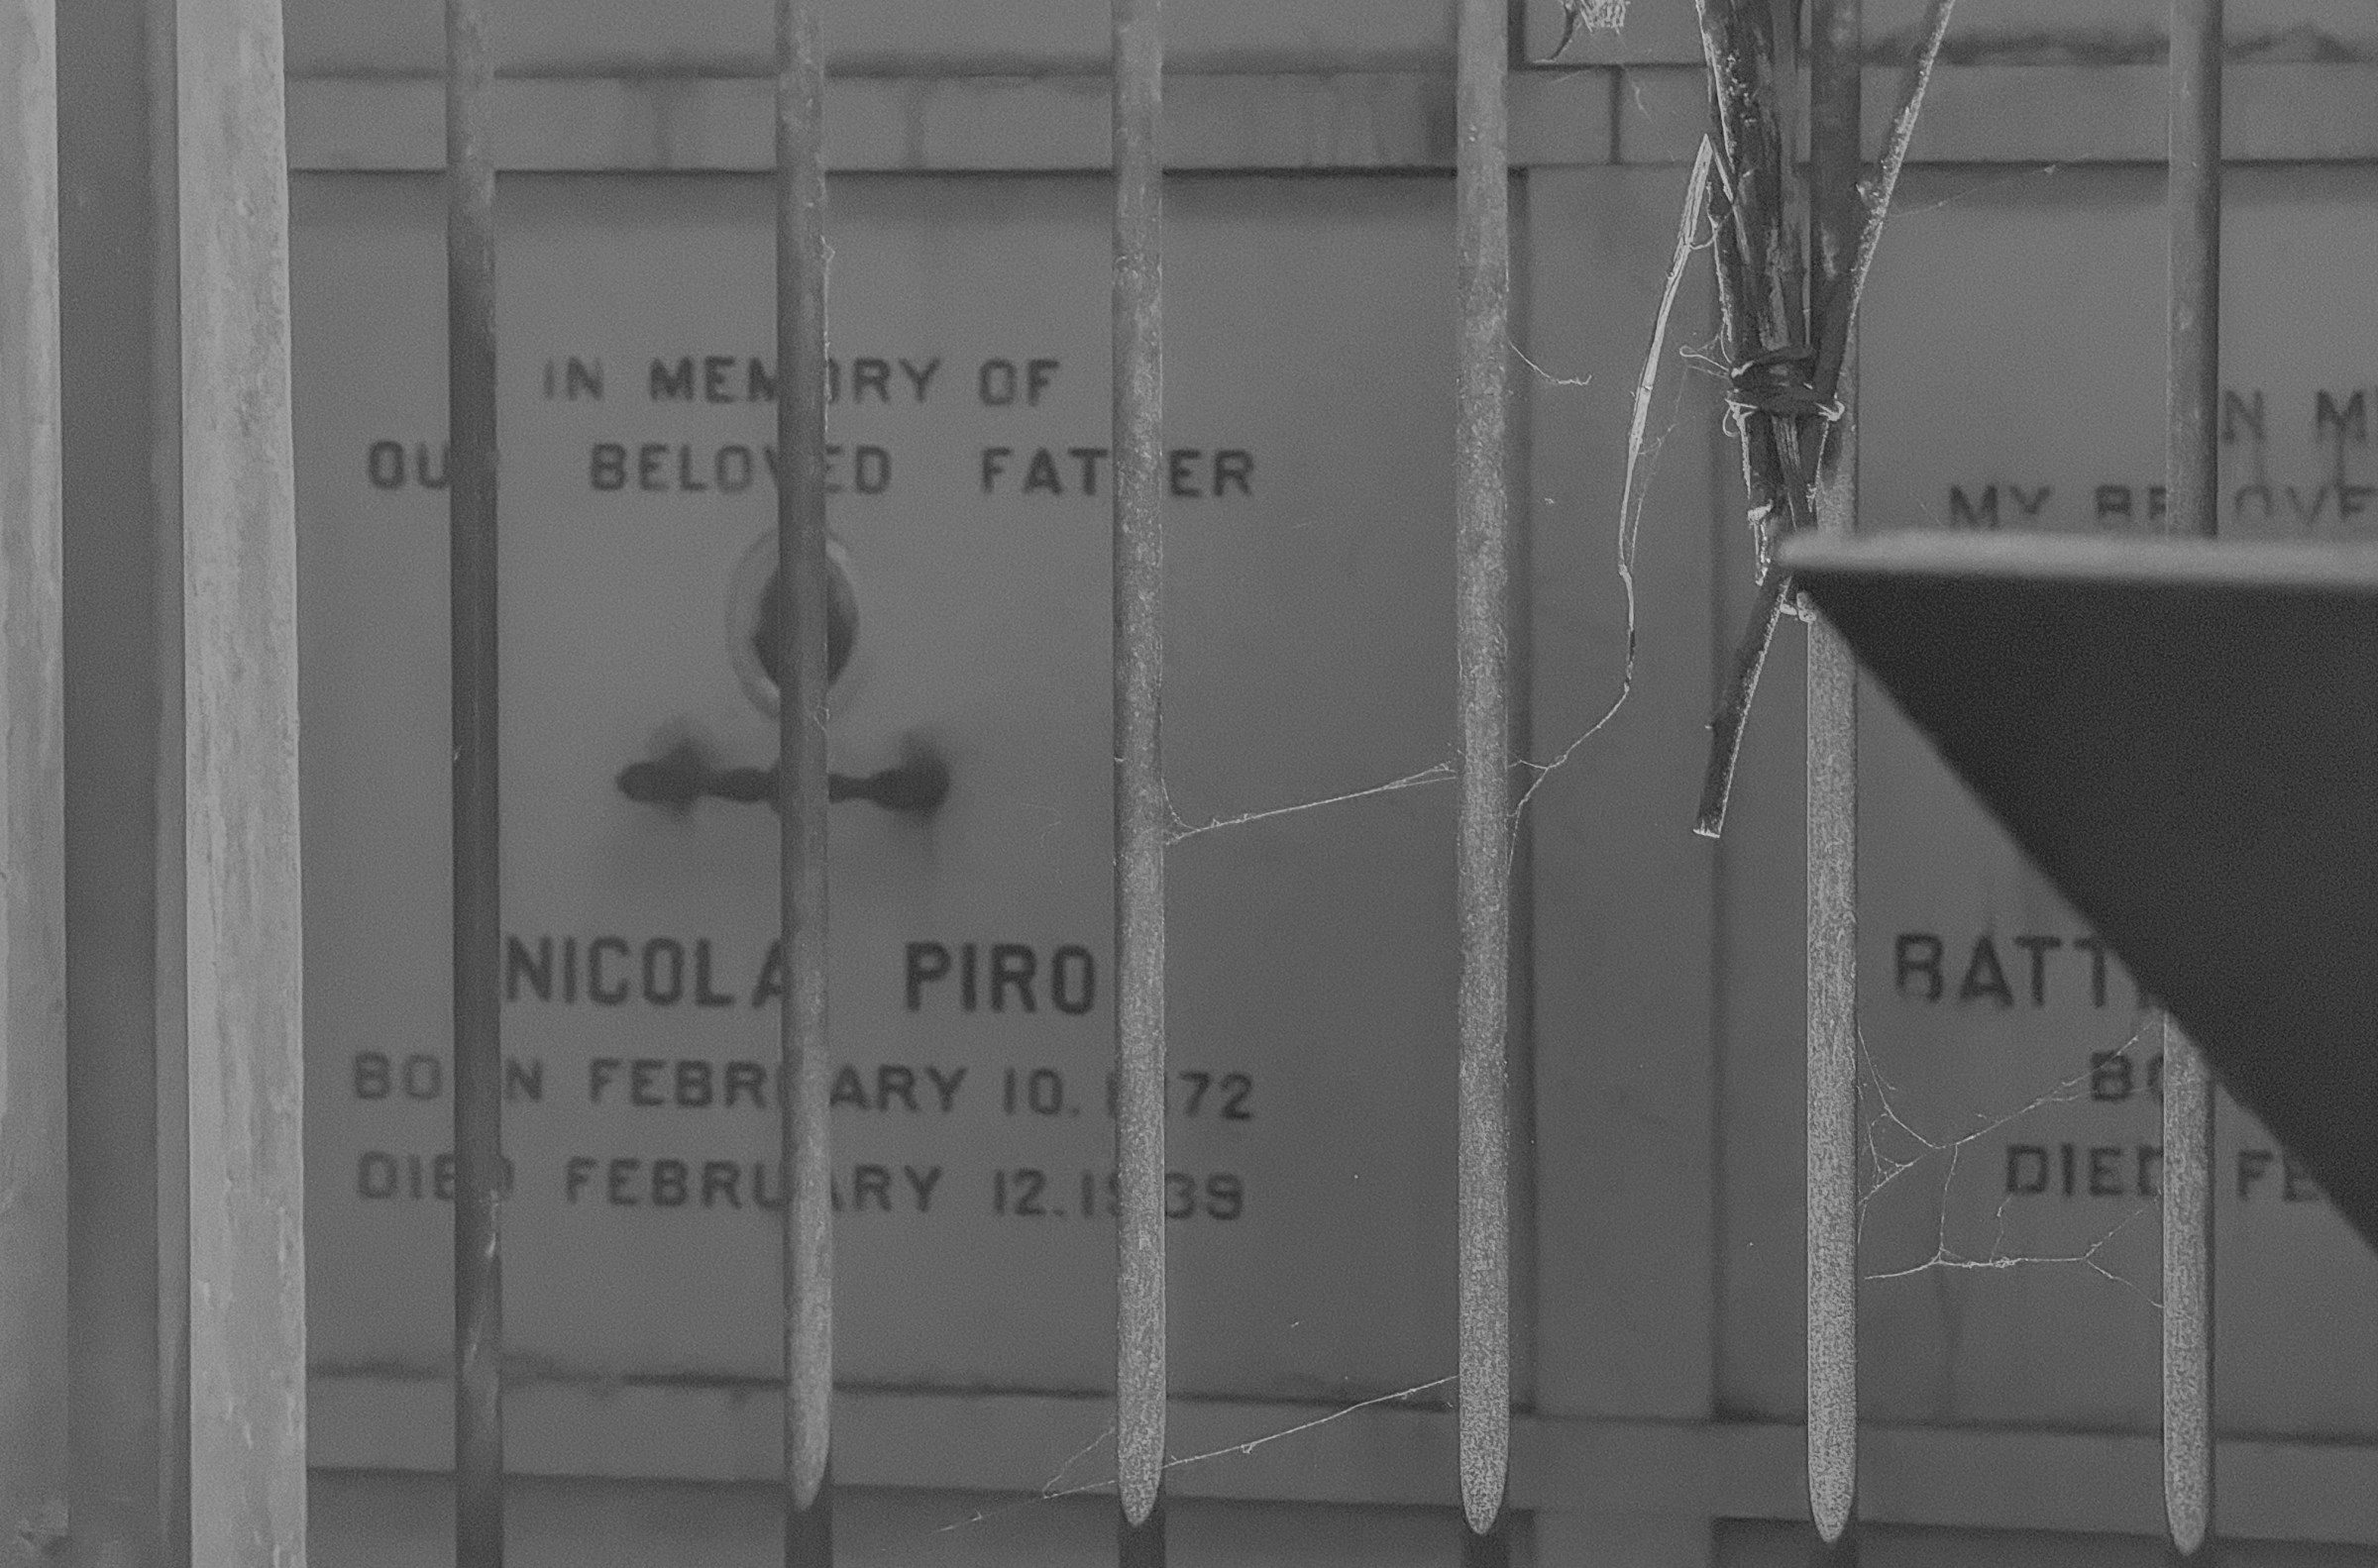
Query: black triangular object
<point x="2183" y="736"/>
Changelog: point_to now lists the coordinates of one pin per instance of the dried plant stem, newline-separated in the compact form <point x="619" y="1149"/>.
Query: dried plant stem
<point x="1771" y="326"/>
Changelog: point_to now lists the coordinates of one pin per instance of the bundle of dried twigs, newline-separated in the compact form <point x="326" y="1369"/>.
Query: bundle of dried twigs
<point x="1788" y="294"/>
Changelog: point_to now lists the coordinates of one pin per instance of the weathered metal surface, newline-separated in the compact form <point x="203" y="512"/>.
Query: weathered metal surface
<point x="2188" y="1300"/>
<point x="2005" y="32"/>
<point x="239" y="581"/>
<point x="1967" y="1477"/>
<point x="33" y="1043"/>
<point x="2191" y="478"/>
<point x="802" y="1046"/>
<point x="1482" y="548"/>
<point x="1224" y="121"/>
<point x="120" y="474"/>
<point x="1141" y="822"/>
<point x="2179" y="736"/>
<point x="477" y="739"/>
<point x="2297" y="111"/>
<point x="720" y="37"/>
<point x="369" y="1518"/>
<point x="1836" y="222"/>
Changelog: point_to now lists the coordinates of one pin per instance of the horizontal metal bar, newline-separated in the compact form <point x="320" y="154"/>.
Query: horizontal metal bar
<point x="2102" y="33"/>
<point x="2036" y="114"/>
<point x="1353" y="119"/>
<point x="1305" y="120"/>
<point x="2318" y="1489"/>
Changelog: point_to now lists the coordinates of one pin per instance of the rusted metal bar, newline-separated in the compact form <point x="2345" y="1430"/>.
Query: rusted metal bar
<point x="2192" y="475"/>
<point x="120" y="479"/>
<point x="1837" y="221"/>
<point x="477" y="865"/>
<point x="2194" y="201"/>
<point x="1483" y="551"/>
<point x="2187" y="1293"/>
<point x="801" y="780"/>
<point x="33" y="1039"/>
<point x="246" y="1066"/>
<point x="2195" y="198"/>
<point x="1138" y="345"/>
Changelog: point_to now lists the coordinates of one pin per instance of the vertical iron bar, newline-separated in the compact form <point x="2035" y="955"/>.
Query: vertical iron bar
<point x="33" y="1046"/>
<point x="246" y="1065"/>
<point x="1482" y="546"/>
<point x="477" y="865"/>
<point x="2191" y="468"/>
<point x="2188" y="1103"/>
<point x="800" y="348"/>
<point x="1837" y="218"/>
<point x="120" y="487"/>
<point x="1520" y="1016"/>
<point x="171" y="1009"/>
<point x="2195" y="200"/>
<point x="2192" y="474"/>
<point x="1138" y="346"/>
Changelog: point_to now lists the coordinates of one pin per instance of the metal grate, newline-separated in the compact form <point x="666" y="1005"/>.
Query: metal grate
<point x="160" y="254"/>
